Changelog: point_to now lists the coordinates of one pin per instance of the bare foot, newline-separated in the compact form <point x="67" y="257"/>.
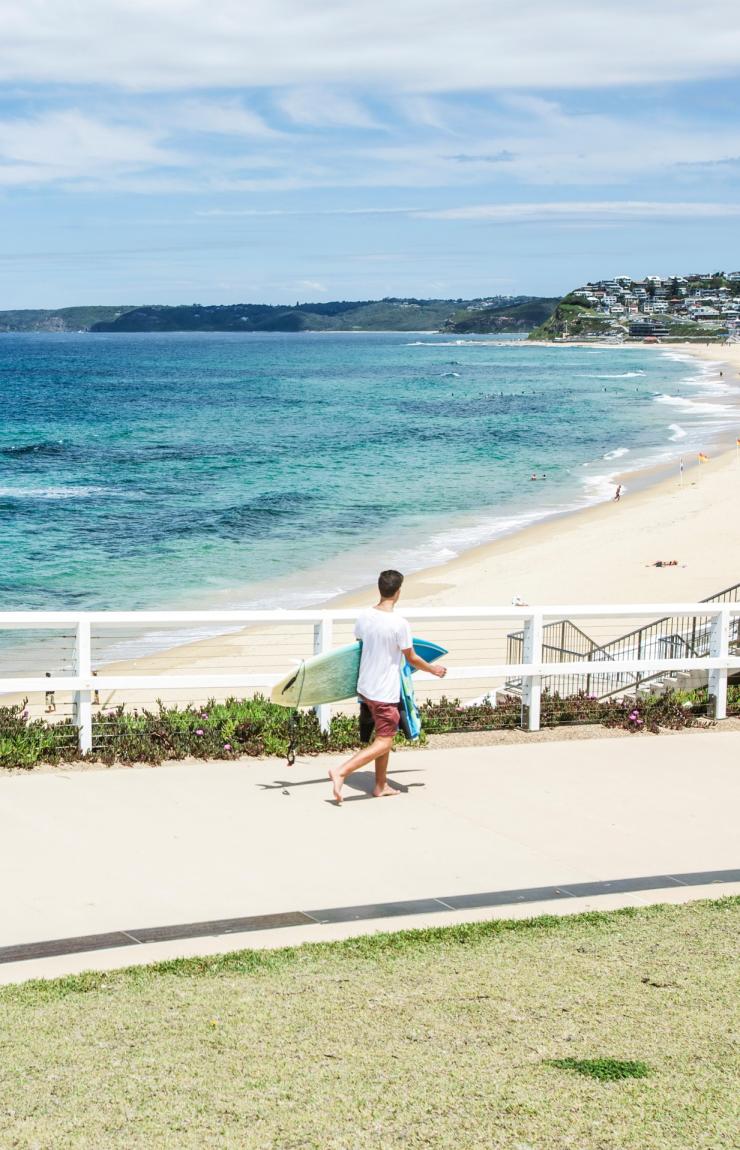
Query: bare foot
<point x="386" y="792"/>
<point x="337" y="782"/>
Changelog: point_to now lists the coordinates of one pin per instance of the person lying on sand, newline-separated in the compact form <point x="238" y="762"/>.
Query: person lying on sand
<point x="386" y="641"/>
<point x="664" y="563"/>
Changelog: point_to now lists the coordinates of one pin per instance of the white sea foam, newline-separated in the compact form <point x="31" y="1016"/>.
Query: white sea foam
<point x="678" y="432"/>
<point x="292" y="600"/>
<point x="695" y="407"/>
<point x="617" y="453"/>
<point x="148" y="642"/>
<point x="51" y="492"/>
<point x="462" y="343"/>
<point x="621" y="375"/>
<point x="448" y="544"/>
<point x="598" y="488"/>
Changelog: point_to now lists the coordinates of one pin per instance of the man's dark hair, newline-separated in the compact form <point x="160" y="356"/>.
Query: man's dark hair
<point x="388" y="583"/>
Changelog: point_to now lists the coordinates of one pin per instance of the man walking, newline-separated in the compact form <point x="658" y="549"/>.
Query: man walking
<point x="386" y="641"/>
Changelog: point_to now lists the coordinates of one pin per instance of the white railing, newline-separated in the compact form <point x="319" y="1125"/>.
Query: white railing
<point x="83" y="683"/>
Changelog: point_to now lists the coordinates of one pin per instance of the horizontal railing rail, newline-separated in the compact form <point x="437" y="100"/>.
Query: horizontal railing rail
<point x="536" y="662"/>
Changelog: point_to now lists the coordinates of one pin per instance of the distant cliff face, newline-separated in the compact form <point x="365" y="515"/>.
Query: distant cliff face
<point x="571" y="320"/>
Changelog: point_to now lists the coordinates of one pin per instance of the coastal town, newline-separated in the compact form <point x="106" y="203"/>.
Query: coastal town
<point x="703" y="307"/>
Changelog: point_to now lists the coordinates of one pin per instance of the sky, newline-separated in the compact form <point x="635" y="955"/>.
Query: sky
<point x="180" y="151"/>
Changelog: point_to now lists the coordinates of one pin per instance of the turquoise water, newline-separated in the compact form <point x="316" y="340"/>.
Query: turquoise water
<point x="207" y="470"/>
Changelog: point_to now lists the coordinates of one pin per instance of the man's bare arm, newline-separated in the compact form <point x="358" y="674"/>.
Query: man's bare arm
<point x="422" y="665"/>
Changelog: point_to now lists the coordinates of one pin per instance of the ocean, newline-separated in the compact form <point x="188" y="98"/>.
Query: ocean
<point x="199" y="470"/>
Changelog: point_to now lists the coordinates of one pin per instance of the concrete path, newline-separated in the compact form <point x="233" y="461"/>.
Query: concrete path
<point x="480" y="832"/>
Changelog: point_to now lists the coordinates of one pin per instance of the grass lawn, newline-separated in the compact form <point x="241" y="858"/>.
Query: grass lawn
<point x="597" y="1032"/>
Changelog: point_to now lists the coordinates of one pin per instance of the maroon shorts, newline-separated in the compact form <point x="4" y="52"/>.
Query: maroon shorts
<point x="386" y="717"/>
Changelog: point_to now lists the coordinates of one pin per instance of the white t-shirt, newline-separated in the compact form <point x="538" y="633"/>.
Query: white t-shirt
<point x="384" y="636"/>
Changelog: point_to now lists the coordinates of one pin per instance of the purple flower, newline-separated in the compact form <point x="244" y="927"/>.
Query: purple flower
<point x="227" y="746"/>
<point x="199" y="731"/>
<point x="204" y="716"/>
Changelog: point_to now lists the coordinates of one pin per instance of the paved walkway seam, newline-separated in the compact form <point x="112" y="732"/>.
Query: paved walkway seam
<point x="217" y="928"/>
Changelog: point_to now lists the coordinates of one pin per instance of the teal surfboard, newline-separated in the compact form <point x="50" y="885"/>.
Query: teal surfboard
<point x="332" y="677"/>
<point x="412" y="724"/>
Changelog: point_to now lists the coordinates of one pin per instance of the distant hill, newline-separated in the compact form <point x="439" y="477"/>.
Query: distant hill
<point x="345" y="315"/>
<point x="64" y="319"/>
<point x="494" y="314"/>
<point x="502" y="317"/>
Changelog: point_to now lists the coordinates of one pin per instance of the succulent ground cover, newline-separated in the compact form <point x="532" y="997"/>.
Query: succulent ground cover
<point x="258" y="727"/>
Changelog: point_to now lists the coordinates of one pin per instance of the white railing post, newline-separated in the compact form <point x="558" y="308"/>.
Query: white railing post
<point x="532" y="684"/>
<point x="719" y="648"/>
<point x="322" y="641"/>
<point x="83" y="670"/>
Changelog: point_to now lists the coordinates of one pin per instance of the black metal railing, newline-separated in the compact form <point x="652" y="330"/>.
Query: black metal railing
<point x="671" y="637"/>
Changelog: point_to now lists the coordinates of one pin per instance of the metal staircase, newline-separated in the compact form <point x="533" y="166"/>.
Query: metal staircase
<point x="668" y="638"/>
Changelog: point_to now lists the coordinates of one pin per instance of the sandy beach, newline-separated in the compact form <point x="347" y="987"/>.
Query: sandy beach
<point x="604" y="554"/>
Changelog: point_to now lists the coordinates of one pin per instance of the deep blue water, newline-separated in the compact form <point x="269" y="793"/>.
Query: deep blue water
<point x="156" y="470"/>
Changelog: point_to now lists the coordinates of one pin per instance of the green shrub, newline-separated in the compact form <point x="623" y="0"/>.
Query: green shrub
<point x="448" y="715"/>
<point x="258" y="727"/>
<point x="216" y="731"/>
<point x="698" y="699"/>
<point x="25" y="742"/>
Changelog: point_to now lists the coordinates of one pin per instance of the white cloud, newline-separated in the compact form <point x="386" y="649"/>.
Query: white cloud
<point x="412" y="46"/>
<point x="541" y="143"/>
<point x="322" y="107"/>
<point x="176" y="144"/>
<point x="70" y="145"/>
<point x="225" y="118"/>
<point x="567" y="212"/>
<point x="584" y="211"/>
<point x="427" y="112"/>
<point x="305" y="211"/>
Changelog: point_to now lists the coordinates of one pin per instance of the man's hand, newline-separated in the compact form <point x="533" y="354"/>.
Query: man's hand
<point x="422" y="665"/>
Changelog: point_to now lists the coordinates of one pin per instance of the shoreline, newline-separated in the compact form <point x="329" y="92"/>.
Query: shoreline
<point x="642" y="487"/>
<point x="658" y="478"/>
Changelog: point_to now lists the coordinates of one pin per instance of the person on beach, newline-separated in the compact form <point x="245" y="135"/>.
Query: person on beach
<point x="49" y="697"/>
<point x="386" y="642"/>
<point x="618" y="494"/>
